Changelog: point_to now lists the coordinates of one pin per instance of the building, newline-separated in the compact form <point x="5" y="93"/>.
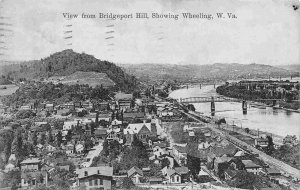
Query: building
<point x="250" y="166"/>
<point x="262" y="142"/>
<point x="95" y="177"/>
<point x="142" y="131"/>
<point x="124" y="101"/>
<point x="69" y="149"/>
<point x="32" y="173"/>
<point x="32" y="164"/>
<point x="179" y="153"/>
<point x="135" y="174"/>
<point x="177" y="175"/>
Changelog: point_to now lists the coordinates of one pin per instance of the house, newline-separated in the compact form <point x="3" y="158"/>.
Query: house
<point x="135" y="174"/>
<point x="124" y="101"/>
<point x="32" y="164"/>
<point x="27" y="107"/>
<point x="133" y="115"/>
<point x="113" y="134"/>
<point x="69" y="149"/>
<point x="100" y="133"/>
<point x="9" y="167"/>
<point x="272" y="172"/>
<point x="231" y="174"/>
<point x="164" y="112"/>
<point x="33" y="178"/>
<point x="32" y="173"/>
<point x="262" y="142"/>
<point x="116" y="123"/>
<point x="179" y="153"/>
<point x="104" y="116"/>
<point x="204" y="145"/>
<point x="50" y="148"/>
<point x="141" y="130"/>
<point x="102" y="106"/>
<point x="70" y="106"/>
<point x="220" y="163"/>
<point x="177" y="175"/>
<point x="79" y="148"/>
<point x="155" y="180"/>
<point x="250" y="166"/>
<point x="69" y="125"/>
<point x="49" y="107"/>
<point x="95" y="177"/>
<point x="219" y="151"/>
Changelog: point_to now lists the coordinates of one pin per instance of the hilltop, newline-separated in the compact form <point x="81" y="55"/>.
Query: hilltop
<point x="217" y="71"/>
<point x="68" y="62"/>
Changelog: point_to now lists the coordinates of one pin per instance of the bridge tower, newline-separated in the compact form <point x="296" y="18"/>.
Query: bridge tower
<point x="200" y="86"/>
<point x="244" y="106"/>
<point x="212" y="106"/>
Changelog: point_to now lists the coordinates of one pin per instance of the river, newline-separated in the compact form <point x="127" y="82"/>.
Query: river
<point x="279" y="122"/>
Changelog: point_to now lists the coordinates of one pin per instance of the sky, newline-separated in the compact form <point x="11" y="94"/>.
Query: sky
<point x="264" y="32"/>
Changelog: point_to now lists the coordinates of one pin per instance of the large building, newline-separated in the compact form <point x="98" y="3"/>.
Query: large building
<point x="142" y="131"/>
<point x="92" y="178"/>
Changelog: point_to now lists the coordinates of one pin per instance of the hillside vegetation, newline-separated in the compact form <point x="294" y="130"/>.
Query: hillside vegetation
<point x="217" y="71"/>
<point x="91" y="78"/>
<point x="67" y="62"/>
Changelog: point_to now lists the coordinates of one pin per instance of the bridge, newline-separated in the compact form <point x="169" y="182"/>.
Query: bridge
<point x="208" y="99"/>
<point x="214" y="99"/>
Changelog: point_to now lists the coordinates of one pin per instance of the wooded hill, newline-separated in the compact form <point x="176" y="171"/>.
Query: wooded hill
<point x="67" y="62"/>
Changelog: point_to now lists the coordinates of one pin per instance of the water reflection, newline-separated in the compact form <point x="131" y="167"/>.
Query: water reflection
<point x="276" y="121"/>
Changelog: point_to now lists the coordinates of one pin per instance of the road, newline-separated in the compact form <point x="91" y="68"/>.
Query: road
<point x="92" y="154"/>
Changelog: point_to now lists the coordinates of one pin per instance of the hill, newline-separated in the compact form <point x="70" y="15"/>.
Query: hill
<point x="295" y="67"/>
<point x="217" y="71"/>
<point x="91" y="78"/>
<point x="66" y="63"/>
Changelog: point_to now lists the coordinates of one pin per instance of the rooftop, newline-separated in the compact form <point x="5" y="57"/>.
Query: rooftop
<point x="250" y="164"/>
<point x="31" y="161"/>
<point x="101" y="170"/>
<point x="133" y="170"/>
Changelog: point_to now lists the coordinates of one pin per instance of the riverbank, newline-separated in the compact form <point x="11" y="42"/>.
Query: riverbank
<point x="264" y="96"/>
<point x="276" y="121"/>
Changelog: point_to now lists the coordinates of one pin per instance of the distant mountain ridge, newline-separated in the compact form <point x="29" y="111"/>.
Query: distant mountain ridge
<point x="217" y="71"/>
<point x="294" y="67"/>
<point x="66" y="63"/>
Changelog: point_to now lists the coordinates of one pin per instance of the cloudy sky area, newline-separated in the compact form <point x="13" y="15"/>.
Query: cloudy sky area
<point x="265" y="32"/>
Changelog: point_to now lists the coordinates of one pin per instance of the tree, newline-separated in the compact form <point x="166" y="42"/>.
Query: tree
<point x="270" y="147"/>
<point x="59" y="138"/>
<point x="34" y="138"/>
<point x="50" y="138"/>
<point x="43" y="138"/>
<point x="18" y="144"/>
<point x="127" y="183"/>
<point x="165" y="162"/>
<point x="247" y="130"/>
<point x="193" y="164"/>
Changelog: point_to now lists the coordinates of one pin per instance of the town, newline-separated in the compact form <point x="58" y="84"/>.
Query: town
<point x="133" y="141"/>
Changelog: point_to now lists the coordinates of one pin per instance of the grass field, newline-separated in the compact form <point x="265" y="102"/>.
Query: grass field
<point x="11" y="88"/>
